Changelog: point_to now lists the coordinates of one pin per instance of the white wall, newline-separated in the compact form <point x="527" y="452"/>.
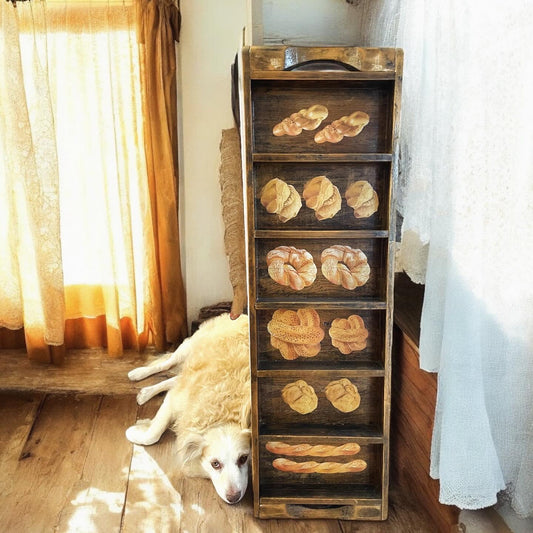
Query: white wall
<point x="309" y="22"/>
<point x="211" y="35"/>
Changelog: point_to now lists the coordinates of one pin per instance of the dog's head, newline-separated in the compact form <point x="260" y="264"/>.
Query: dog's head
<point x="223" y="454"/>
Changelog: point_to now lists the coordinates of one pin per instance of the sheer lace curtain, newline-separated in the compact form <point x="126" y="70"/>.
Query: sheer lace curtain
<point x="93" y="255"/>
<point x="466" y="194"/>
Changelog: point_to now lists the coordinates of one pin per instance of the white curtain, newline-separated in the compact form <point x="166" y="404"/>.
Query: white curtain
<point x="466" y="195"/>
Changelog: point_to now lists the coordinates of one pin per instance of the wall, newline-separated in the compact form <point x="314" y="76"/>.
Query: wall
<point x="210" y="37"/>
<point x="212" y="32"/>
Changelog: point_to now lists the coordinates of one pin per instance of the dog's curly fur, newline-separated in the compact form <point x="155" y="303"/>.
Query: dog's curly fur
<point x="207" y="406"/>
<point x="215" y="383"/>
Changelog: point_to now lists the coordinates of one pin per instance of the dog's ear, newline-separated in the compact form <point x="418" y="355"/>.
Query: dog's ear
<point x="246" y="415"/>
<point x="192" y="447"/>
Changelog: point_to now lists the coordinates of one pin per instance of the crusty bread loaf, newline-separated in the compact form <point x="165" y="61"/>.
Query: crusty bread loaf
<point x="291" y="267"/>
<point x="323" y="197"/>
<point x="317" y="450"/>
<point x="309" y="467"/>
<point x="296" y="333"/>
<point x="347" y="126"/>
<point x="348" y="334"/>
<point x="346" y="266"/>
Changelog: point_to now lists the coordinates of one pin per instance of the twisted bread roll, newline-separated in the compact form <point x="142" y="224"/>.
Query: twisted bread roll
<point x="300" y="397"/>
<point x="342" y="265"/>
<point x="362" y="197"/>
<point x="348" y="335"/>
<point x="323" y="197"/>
<point x="296" y="333"/>
<point x="318" y="450"/>
<point x="343" y="395"/>
<point x="305" y="119"/>
<point x="347" y="126"/>
<point x="309" y="467"/>
<point x="281" y="198"/>
<point x="292" y="267"/>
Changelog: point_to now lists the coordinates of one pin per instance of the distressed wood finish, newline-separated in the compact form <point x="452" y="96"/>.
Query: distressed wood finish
<point x="277" y="82"/>
<point x="83" y="475"/>
<point x="414" y="400"/>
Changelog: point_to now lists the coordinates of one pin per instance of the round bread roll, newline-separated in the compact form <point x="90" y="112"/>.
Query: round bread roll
<point x="323" y="197"/>
<point x="281" y="198"/>
<point x="305" y="119"/>
<point x="296" y="333"/>
<point x="343" y="395"/>
<point x="347" y="126"/>
<point x="291" y="267"/>
<point x="300" y="397"/>
<point x="348" y="334"/>
<point x="362" y="197"/>
<point x="346" y="266"/>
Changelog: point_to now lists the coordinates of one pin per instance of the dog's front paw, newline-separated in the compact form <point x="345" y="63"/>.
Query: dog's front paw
<point x="139" y="373"/>
<point x="143" y="396"/>
<point x="139" y="433"/>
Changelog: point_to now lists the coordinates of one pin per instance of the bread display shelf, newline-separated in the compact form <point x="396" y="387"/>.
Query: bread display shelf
<point x="320" y="136"/>
<point x="305" y="157"/>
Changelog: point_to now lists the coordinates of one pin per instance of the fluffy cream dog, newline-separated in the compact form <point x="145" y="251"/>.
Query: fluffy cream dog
<point x="207" y="406"/>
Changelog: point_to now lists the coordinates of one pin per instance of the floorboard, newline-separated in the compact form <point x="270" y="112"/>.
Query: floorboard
<point x="69" y="468"/>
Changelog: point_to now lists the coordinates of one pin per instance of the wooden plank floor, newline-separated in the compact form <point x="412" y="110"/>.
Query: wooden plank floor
<point x="66" y="466"/>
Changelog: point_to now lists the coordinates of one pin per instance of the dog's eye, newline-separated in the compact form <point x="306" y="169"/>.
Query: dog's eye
<point x="242" y="460"/>
<point x="216" y="464"/>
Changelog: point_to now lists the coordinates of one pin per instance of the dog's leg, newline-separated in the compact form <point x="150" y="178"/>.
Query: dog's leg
<point x="159" y="365"/>
<point x="149" y="392"/>
<point x="147" y="432"/>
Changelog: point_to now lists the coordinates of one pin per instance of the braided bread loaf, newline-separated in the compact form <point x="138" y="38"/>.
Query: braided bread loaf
<point x="323" y="197"/>
<point x="305" y="119"/>
<point x="346" y="266"/>
<point x="348" y="334"/>
<point x="309" y="467"/>
<point x="292" y="267"/>
<point x="347" y="126"/>
<point x="281" y="198"/>
<point x="300" y="397"/>
<point x="296" y="333"/>
<point x="343" y="395"/>
<point x="362" y="197"/>
<point x="318" y="450"/>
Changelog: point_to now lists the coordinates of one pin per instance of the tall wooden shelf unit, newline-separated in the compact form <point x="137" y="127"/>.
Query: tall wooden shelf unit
<point x="332" y="406"/>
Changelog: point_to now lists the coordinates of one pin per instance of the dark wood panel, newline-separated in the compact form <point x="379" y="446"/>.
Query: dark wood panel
<point x="273" y="411"/>
<point x="371" y="356"/>
<point x="341" y="175"/>
<point x="272" y="102"/>
<point x="375" y="251"/>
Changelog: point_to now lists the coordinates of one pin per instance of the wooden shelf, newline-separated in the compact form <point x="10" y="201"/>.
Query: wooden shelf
<point x="294" y="400"/>
<point x="305" y="157"/>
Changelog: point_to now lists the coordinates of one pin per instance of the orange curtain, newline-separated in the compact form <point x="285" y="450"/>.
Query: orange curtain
<point x="159" y="26"/>
<point x="111" y="77"/>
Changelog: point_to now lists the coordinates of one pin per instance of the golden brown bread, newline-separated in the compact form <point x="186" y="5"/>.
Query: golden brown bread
<point x="296" y="333"/>
<point x="291" y="267"/>
<point x="362" y="198"/>
<point x="281" y="198"/>
<point x="346" y="266"/>
<point x="348" y="334"/>
<point x="305" y="119"/>
<point x="327" y="467"/>
<point x="323" y="197"/>
<point x="300" y="397"/>
<point x="347" y="126"/>
<point x="317" y="450"/>
<point x="343" y="395"/>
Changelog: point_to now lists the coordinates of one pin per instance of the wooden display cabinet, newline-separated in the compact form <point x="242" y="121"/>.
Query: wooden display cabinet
<point x="320" y="279"/>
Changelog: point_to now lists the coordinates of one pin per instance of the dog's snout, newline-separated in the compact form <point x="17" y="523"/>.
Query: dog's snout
<point x="233" y="497"/>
